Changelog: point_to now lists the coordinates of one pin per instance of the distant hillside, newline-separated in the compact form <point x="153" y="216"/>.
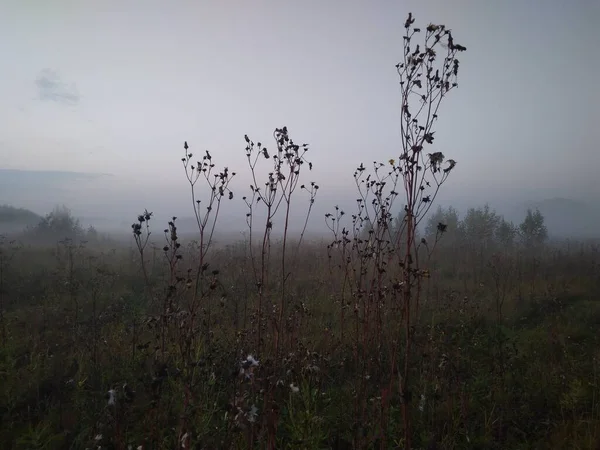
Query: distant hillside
<point x="14" y="219"/>
<point x="23" y="187"/>
<point x="15" y="178"/>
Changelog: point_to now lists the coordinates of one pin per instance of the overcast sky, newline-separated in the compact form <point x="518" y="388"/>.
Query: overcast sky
<point x="116" y="87"/>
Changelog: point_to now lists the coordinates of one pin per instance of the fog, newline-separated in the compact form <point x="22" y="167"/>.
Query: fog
<point x="98" y="100"/>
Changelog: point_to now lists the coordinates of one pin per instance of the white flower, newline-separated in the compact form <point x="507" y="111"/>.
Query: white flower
<point x="248" y="363"/>
<point x="312" y="368"/>
<point x="112" y="397"/>
<point x="247" y="367"/>
<point x="252" y="414"/>
<point x="184" y="439"/>
<point x="422" y="403"/>
<point x="294" y="388"/>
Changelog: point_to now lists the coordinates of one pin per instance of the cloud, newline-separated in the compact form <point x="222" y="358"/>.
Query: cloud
<point x="51" y="88"/>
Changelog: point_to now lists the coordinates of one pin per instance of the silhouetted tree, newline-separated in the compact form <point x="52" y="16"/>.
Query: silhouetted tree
<point x="91" y="234"/>
<point x="57" y="225"/>
<point x="533" y="230"/>
<point x="444" y="222"/>
<point x="480" y="225"/>
<point x="506" y="233"/>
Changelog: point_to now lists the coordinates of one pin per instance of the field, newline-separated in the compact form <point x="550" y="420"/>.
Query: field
<point x="505" y="349"/>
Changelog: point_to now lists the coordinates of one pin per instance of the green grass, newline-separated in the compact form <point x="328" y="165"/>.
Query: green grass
<point x="529" y="382"/>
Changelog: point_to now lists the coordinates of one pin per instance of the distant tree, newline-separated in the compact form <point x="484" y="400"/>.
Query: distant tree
<point x="533" y="230"/>
<point x="91" y="234"/>
<point x="506" y="233"/>
<point x="479" y="226"/>
<point x="57" y="225"/>
<point x="444" y="222"/>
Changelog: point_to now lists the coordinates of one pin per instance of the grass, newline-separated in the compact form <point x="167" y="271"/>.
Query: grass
<point x="530" y="381"/>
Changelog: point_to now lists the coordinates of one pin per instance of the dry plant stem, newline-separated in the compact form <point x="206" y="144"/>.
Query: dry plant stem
<point x="340" y="242"/>
<point x="260" y="273"/>
<point x="293" y="156"/>
<point x="279" y="188"/>
<point x="313" y="194"/>
<point x="218" y="187"/>
<point x="141" y="234"/>
<point x="390" y="252"/>
<point x="276" y="195"/>
<point x="414" y="136"/>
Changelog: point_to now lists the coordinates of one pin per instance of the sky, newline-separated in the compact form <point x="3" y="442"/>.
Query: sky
<point x="116" y="87"/>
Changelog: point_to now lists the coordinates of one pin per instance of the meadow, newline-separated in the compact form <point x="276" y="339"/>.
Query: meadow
<point x="505" y="350"/>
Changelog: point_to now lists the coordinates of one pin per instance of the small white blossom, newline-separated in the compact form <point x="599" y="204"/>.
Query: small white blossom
<point x="247" y="367"/>
<point x="294" y="388"/>
<point x="312" y="368"/>
<point x="184" y="439"/>
<point x="422" y="403"/>
<point x="252" y="414"/>
<point x="112" y="397"/>
<point x="250" y="361"/>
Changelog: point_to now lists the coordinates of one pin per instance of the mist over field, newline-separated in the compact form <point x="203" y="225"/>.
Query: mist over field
<point x="299" y="225"/>
<point x="110" y="204"/>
